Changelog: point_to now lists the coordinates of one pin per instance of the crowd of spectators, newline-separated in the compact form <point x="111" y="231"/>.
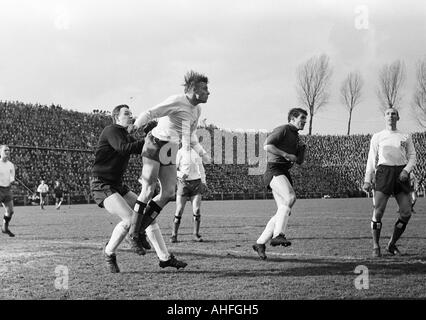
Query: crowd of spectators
<point x="49" y="126"/>
<point x="50" y="143"/>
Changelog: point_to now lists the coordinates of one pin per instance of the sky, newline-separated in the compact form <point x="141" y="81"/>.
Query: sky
<point x="93" y="54"/>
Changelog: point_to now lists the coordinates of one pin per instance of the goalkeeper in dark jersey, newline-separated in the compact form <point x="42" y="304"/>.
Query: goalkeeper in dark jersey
<point x="112" y="156"/>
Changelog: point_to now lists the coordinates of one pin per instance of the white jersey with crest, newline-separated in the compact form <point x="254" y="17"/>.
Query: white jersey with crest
<point x="394" y="148"/>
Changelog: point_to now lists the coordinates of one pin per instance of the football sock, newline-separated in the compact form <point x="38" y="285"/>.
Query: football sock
<point x="197" y="222"/>
<point x="118" y="234"/>
<point x="176" y="224"/>
<point x="137" y="216"/>
<point x="376" y="227"/>
<point x="281" y="220"/>
<point x="152" y="210"/>
<point x="6" y="221"/>
<point x="154" y="235"/>
<point x="268" y="232"/>
<point x="398" y="230"/>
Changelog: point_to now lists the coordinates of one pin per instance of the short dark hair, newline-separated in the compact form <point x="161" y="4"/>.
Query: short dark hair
<point x="295" y="112"/>
<point x="192" y="78"/>
<point x="116" y="111"/>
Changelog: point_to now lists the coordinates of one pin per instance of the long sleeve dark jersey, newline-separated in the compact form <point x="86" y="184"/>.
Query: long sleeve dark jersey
<point x="113" y="152"/>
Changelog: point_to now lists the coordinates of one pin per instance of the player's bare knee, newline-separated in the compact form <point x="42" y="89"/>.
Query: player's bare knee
<point x="290" y="200"/>
<point x="197" y="212"/>
<point x="126" y="224"/>
<point x="405" y="214"/>
<point x="148" y="189"/>
<point x="378" y="214"/>
<point x="167" y="194"/>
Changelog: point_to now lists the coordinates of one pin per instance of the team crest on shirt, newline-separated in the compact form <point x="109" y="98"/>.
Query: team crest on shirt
<point x="404" y="144"/>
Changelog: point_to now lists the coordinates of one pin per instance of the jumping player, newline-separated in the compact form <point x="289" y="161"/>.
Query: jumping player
<point x="191" y="183"/>
<point x="178" y="118"/>
<point x="397" y="158"/>
<point x="7" y="177"/>
<point x="284" y="148"/>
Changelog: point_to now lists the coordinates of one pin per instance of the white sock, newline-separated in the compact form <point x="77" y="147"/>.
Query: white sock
<point x="118" y="235"/>
<point x="154" y="235"/>
<point x="267" y="233"/>
<point x="281" y="220"/>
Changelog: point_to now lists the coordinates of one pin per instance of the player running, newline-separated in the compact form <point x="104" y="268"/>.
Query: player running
<point x="284" y="149"/>
<point x="59" y="195"/>
<point x="7" y="177"/>
<point x="178" y="118"/>
<point x="397" y="158"/>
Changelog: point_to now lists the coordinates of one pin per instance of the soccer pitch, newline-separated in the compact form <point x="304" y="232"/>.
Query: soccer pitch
<point x="57" y="255"/>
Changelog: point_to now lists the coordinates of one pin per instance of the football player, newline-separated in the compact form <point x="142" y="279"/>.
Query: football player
<point x="178" y="119"/>
<point x="396" y="159"/>
<point x="7" y="177"/>
<point x="191" y="183"/>
<point x="115" y="145"/>
<point x="284" y="148"/>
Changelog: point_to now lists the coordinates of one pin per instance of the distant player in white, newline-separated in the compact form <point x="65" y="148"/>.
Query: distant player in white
<point x="191" y="183"/>
<point x="178" y="119"/>
<point x="7" y="177"/>
<point x="42" y="189"/>
<point x="397" y="158"/>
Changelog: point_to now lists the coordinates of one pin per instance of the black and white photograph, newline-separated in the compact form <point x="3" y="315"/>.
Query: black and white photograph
<point x="212" y="156"/>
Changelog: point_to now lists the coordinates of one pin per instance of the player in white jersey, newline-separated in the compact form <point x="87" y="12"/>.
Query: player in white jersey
<point x="178" y="118"/>
<point x="397" y="158"/>
<point x="42" y="189"/>
<point x="191" y="183"/>
<point x="7" y="177"/>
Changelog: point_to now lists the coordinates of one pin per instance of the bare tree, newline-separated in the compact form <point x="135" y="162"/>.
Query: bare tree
<point x="350" y="92"/>
<point x="391" y="80"/>
<point x="419" y="104"/>
<point x="313" y="81"/>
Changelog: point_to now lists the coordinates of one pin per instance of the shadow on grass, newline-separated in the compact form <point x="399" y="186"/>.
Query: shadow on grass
<point x="385" y="266"/>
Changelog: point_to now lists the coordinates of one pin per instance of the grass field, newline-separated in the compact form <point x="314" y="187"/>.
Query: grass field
<point x="331" y="237"/>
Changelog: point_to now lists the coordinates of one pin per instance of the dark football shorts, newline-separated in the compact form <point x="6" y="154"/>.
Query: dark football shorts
<point x="102" y="190"/>
<point x="274" y="169"/>
<point x="159" y="150"/>
<point x="5" y="194"/>
<point x="58" y="195"/>
<point x="189" y="188"/>
<point x="387" y="180"/>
